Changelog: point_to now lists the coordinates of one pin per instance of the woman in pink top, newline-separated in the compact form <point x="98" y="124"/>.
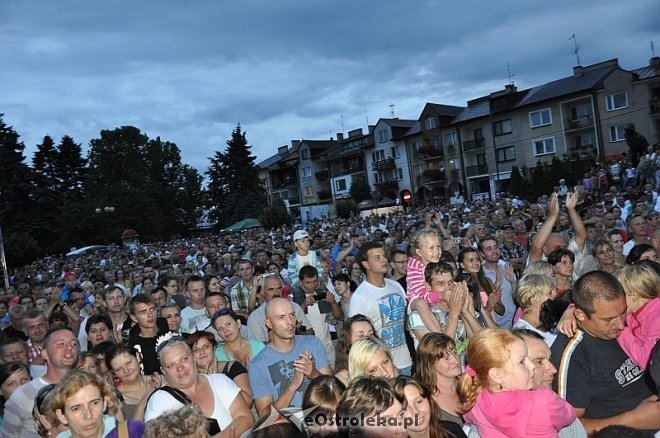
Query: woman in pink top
<point x="641" y="282"/>
<point x="425" y="248"/>
<point x="496" y="390"/>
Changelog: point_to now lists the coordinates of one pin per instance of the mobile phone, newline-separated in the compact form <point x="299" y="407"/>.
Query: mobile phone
<point x="320" y="296"/>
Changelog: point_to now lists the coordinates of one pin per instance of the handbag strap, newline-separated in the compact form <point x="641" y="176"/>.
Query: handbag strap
<point x="122" y="429"/>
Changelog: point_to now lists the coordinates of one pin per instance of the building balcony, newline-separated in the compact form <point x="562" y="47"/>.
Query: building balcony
<point x="476" y="170"/>
<point x="386" y="164"/>
<point x="580" y="123"/>
<point x="387" y="186"/>
<point x="347" y="170"/>
<point x="322" y="175"/>
<point x="473" y="145"/>
<point x="433" y="175"/>
<point x="430" y="152"/>
<point x="654" y="107"/>
<point x="281" y="183"/>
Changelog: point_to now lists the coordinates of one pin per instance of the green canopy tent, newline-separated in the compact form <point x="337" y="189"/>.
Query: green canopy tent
<point x="244" y="224"/>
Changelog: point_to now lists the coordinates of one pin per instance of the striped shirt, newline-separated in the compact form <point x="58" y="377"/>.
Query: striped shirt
<point x="18" y="421"/>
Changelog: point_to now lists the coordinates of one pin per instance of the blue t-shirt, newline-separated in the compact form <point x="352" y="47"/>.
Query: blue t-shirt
<point x="271" y="371"/>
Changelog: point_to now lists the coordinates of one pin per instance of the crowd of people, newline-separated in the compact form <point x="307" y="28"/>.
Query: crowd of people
<point x="502" y="318"/>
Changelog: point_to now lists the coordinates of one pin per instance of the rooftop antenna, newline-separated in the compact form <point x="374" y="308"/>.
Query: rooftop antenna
<point x="509" y="74"/>
<point x="652" y="49"/>
<point x="366" y="116"/>
<point x="342" y="123"/>
<point x="392" y="110"/>
<point x="576" y="51"/>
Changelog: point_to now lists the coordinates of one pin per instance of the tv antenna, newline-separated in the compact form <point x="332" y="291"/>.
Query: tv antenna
<point x="366" y="116"/>
<point x="652" y="49"/>
<point x="392" y="110"/>
<point x="576" y="51"/>
<point x="509" y="74"/>
<point x="341" y="116"/>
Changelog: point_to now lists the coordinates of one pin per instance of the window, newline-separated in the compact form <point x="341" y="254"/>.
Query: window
<point x="502" y="127"/>
<point x="506" y="154"/>
<point x="340" y="185"/>
<point x="580" y="111"/>
<point x="455" y="164"/>
<point x="583" y="140"/>
<point x="377" y="177"/>
<point x="417" y="170"/>
<point x="309" y="191"/>
<point x="395" y="152"/>
<point x="415" y="146"/>
<point x="481" y="158"/>
<point x="540" y="118"/>
<point x="437" y="143"/>
<point x="544" y="146"/>
<point x="305" y="154"/>
<point x="398" y="174"/>
<point x="429" y="122"/>
<point x="307" y="172"/>
<point x="617" y="133"/>
<point x="450" y="139"/>
<point x="378" y="156"/>
<point x="382" y="135"/>
<point x="617" y="101"/>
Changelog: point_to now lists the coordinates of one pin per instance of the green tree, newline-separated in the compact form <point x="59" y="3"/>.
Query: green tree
<point x="17" y="207"/>
<point x="540" y="180"/>
<point x="234" y="189"/>
<point x="360" y="190"/>
<point x="344" y="208"/>
<point x="70" y="169"/>
<point x="48" y="193"/>
<point x="275" y="215"/>
<point x="519" y="185"/>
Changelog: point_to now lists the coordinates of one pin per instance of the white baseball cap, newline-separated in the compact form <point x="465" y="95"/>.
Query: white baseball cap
<point x="299" y="235"/>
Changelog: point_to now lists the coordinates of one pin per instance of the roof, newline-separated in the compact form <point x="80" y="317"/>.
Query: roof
<point x="399" y="123"/>
<point x="475" y="109"/>
<point x="446" y="110"/>
<point x="274" y="159"/>
<point x="414" y="130"/>
<point x="319" y="147"/>
<point x="591" y="76"/>
<point x="647" y="72"/>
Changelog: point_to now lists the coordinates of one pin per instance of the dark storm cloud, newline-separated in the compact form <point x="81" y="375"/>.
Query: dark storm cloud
<point x="189" y="71"/>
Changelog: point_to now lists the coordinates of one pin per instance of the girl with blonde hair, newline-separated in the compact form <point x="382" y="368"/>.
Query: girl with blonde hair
<point x="496" y="390"/>
<point x="370" y="356"/>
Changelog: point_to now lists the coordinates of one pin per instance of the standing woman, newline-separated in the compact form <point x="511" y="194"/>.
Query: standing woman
<point x="470" y="263"/>
<point x="562" y="260"/>
<point x="438" y="369"/>
<point x="203" y="346"/>
<point x="235" y="347"/>
<point x="344" y="288"/>
<point x="134" y="387"/>
<point x="418" y="407"/>
<point x="355" y="328"/>
<point x="87" y="404"/>
<point x="604" y="255"/>
<point x="616" y="240"/>
<point x="215" y="394"/>
<point x="355" y="273"/>
<point x="12" y="375"/>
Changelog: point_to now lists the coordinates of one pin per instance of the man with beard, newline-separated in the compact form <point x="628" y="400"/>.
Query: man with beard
<point x="60" y="352"/>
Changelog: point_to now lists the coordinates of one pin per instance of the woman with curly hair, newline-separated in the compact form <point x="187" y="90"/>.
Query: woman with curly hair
<point x="355" y="328"/>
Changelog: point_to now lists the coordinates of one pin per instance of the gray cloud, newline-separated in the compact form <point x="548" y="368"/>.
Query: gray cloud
<point x="189" y="71"/>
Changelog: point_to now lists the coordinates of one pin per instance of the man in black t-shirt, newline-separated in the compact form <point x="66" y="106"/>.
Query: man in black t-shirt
<point x="148" y="327"/>
<point x="595" y="375"/>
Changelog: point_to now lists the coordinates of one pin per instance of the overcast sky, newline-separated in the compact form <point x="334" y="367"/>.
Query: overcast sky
<point x="189" y="71"/>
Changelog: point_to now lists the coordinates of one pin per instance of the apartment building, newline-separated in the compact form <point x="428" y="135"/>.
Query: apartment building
<point x="472" y="149"/>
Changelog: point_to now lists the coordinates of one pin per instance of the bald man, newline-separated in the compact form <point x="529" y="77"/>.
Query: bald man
<point x="280" y="373"/>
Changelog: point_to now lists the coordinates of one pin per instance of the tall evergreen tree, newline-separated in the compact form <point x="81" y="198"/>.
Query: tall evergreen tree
<point x="70" y="167"/>
<point x="48" y="193"/>
<point x="360" y="190"/>
<point x="234" y="190"/>
<point x="16" y="202"/>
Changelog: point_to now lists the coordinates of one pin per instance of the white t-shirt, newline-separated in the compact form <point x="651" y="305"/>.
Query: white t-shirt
<point x="386" y="308"/>
<point x="548" y="337"/>
<point x="189" y="318"/>
<point x="504" y="321"/>
<point x="224" y="393"/>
